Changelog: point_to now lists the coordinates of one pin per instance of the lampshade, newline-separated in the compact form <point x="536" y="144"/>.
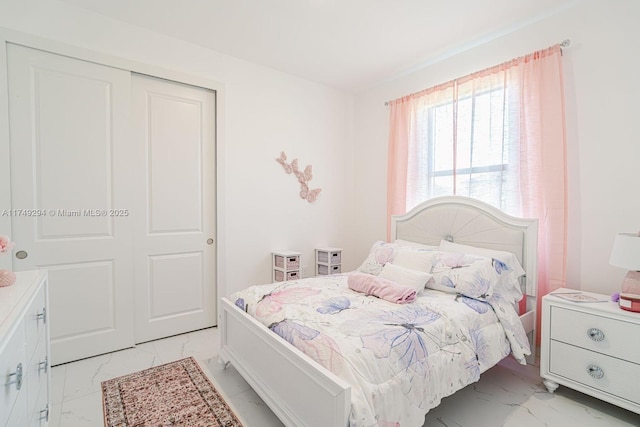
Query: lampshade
<point x="626" y="251"/>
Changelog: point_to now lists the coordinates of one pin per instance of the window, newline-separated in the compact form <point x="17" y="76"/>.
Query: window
<point x="464" y="147"/>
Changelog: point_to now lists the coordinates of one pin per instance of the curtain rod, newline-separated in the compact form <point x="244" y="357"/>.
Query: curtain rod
<point x="564" y="43"/>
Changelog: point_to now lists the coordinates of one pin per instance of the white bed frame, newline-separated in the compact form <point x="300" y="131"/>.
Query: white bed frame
<point x="303" y="393"/>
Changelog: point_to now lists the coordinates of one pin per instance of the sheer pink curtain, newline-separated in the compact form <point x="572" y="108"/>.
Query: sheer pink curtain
<point x="527" y="95"/>
<point x="405" y="153"/>
<point x="543" y="177"/>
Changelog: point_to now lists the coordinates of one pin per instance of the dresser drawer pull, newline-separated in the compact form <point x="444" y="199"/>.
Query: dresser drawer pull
<point x="595" y="371"/>
<point x="18" y="377"/>
<point x="595" y="334"/>
<point x="42" y="316"/>
<point x="44" y="413"/>
<point x="44" y="365"/>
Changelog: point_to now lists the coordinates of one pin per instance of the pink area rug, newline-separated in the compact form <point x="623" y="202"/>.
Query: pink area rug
<point x="174" y="394"/>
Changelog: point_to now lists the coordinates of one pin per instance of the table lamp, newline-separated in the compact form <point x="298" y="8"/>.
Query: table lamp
<point x="626" y="254"/>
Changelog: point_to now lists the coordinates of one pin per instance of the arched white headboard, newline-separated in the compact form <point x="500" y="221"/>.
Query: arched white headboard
<point x="471" y="222"/>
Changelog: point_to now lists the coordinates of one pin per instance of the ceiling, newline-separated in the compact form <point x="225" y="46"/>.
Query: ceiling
<point x="347" y="44"/>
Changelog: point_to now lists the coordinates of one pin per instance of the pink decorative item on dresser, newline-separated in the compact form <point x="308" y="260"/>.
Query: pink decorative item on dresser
<point x="626" y="254"/>
<point x="7" y="277"/>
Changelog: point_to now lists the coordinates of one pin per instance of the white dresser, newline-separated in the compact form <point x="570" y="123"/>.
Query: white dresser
<point x="24" y="352"/>
<point x="591" y="347"/>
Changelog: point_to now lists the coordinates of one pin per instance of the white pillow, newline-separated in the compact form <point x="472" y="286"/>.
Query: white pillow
<point x="413" y="259"/>
<point x="405" y="276"/>
<point x="416" y="245"/>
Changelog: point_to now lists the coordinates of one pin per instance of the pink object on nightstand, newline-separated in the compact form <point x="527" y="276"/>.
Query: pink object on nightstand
<point x="630" y="302"/>
<point x="7" y="278"/>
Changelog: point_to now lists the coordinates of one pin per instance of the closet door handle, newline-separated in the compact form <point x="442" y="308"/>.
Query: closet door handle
<point x="21" y="254"/>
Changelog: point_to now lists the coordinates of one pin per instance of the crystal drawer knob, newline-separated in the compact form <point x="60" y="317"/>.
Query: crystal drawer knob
<point x="595" y="371"/>
<point x="595" y="334"/>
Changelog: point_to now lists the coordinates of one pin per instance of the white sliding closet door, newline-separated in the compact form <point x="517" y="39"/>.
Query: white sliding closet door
<point x="112" y="191"/>
<point x="174" y="127"/>
<point x="70" y="165"/>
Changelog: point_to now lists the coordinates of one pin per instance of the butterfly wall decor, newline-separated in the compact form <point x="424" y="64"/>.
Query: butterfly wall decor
<point x="306" y="193"/>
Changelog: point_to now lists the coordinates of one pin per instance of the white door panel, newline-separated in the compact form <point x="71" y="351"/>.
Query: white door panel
<point x="87" y="317"/>
<point x="69" y="122"/>
<point x="175" y="160"/>
<point x="175" y="266"/>
<point x="167" y="297"/>
<point x="73" y="148"/>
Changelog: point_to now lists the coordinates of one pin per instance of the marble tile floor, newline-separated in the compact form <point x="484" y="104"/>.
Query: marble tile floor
<point x="508" y="395"/>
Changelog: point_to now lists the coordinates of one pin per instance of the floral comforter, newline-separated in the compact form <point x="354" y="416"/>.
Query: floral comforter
<point x="400" y="360"/>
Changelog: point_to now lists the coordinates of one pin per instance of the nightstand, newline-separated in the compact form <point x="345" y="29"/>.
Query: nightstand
<point x="328" y="261"/>
<point x="285" y="265"/>
<point x="592" y="347"/>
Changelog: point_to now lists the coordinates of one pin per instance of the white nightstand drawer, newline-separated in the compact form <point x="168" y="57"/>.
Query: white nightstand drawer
<point x="604" y="335"/>
<point x="604" y="373"/>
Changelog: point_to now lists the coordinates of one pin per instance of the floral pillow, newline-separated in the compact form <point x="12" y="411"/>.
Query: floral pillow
<point x="470" y="275"/>
<point x="509" y="284"/>
<point x="380" y="254"/>
<point x="506" y="257"/>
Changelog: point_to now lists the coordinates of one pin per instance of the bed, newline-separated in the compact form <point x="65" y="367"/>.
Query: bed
<point x="302" y="391"/>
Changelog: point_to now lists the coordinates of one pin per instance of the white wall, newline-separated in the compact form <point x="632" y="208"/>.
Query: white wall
<point x="265" y="112"/>
<point x="602" y="96"/>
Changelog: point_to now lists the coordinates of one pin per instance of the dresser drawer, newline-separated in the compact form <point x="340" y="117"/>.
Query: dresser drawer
<point x="18" y="416"/>
<point x="12" y="357"/>
<point x="601" y="334"/>
<point x="24" y="343"/>
<point x="37" y="378"/>
<point x="39" y="411"/>
<point x="35" y="320"/>
<point x="608" y="374"/>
